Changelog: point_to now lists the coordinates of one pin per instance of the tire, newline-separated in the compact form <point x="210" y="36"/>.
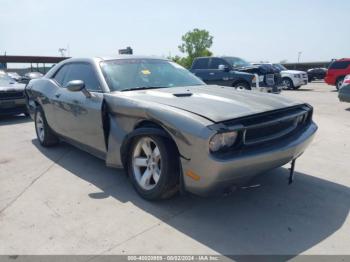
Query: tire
<point x="155" y="175"/>
<point x="288" y="83"/>
<point x="242" y="86"/>
<point x="44" y="133"/>
<point x="339" y="82"/>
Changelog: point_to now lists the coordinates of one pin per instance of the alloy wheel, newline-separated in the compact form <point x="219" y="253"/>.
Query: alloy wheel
<point x="339" y="84"/>
<point x="146" y="163"/>
<point x="240" y="87"/>
<point x="287" y="83"/>
<point x="39" y="124"/>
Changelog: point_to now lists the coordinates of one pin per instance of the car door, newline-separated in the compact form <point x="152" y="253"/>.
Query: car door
<point x="79" y="117"/>
<point x="201" y="68"/>
<point x="217" y="76"/>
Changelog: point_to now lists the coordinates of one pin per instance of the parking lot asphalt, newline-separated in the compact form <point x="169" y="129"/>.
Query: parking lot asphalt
<point x="64" y="201"/>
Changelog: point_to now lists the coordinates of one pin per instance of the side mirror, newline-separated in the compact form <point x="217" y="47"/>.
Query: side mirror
<point x="224" y="68"/>
<point x="77" y="86"/>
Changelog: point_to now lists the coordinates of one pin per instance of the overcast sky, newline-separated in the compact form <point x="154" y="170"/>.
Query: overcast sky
<point x="269" y="30"/>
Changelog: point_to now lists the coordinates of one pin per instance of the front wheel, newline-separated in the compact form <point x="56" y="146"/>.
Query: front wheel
<point x="288" y="83"/>
<point x="339" y="83"/>
<point x="153" y="166"/>
<point x="241" y="86"/>
<point x="44" y="133"/>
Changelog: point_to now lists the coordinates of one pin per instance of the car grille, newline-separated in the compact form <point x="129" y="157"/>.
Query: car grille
<point x="304" y="76"/>
<point x="11" y="95"/>
<point x="264" y="133"/>
<point x="270" y="126"/>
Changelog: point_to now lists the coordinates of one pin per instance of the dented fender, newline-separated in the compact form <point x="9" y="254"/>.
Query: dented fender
<point x="128" y="117"/>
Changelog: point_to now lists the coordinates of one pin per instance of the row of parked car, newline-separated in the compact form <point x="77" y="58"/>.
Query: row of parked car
<point x="25" y="78"/>
<point x="12" y="97"/>
<point x="266" y="77"/>
<point x="240" y="74"/>
<point x="224" y="71"/>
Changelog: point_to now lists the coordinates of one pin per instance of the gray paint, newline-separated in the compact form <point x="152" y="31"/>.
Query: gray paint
<point x="187" y="120"/>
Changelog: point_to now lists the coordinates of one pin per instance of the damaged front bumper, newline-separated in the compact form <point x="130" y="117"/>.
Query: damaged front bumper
<point x="205" y="174"/>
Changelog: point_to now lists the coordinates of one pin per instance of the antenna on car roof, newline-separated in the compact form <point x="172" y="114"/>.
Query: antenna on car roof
<point x="126" y="51"/>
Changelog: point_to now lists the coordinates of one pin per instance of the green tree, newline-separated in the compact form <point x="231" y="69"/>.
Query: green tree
<point x="184" y="61"/>
<point x="195" y="43"/>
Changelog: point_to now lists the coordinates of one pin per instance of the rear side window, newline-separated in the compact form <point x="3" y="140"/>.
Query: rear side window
<point x="200" y="63"/>
<point x="339" y="65"/>
<point x="84" y="72"/>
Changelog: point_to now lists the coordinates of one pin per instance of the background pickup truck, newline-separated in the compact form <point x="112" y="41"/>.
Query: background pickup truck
<point x="235" y="72"/>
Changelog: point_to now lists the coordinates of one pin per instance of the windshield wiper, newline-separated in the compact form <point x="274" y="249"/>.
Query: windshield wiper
<point x="142" y="88"/>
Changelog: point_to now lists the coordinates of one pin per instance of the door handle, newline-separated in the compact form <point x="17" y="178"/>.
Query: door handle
<point x="211" y="74"/>
<point x="57" y="95"/>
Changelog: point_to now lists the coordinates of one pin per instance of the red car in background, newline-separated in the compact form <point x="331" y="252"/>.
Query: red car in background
<point x="337" y="71"/>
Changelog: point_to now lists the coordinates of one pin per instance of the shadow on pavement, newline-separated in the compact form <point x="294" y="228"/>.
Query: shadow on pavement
<point x="274" y="218"/>
<point x="299" y="89"/>
<point x="13" y="120"/>
<point x="303" y="89"/>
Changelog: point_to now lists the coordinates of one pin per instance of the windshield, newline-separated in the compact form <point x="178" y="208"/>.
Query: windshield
<point x="34" y="75"/>
<point x="280" y="67"/>
<point x="5" y="79"/>
<point x="125" y="74"/>
<point x="237" y="62"/>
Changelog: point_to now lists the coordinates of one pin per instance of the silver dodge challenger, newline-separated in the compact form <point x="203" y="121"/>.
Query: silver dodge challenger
<point x="166" y="127"/>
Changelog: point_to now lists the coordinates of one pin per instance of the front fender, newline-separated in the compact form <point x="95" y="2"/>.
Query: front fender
<point x="184" y="128"/>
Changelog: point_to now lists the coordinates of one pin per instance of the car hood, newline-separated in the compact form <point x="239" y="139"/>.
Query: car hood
<point x="292" y="72"/>
<point x="260" y="69"/>
<point x="216" y="103"/>
<point x="11" y="87"/>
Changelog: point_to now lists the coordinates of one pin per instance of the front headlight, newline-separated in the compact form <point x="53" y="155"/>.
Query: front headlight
<point x="297" y="75"/>
<point x="221" y="140"/>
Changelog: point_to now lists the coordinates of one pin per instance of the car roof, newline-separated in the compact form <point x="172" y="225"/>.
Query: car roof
<point x="97" y="59"/>
<point x="109" y="58"/>
<point x="200" y="57"/>
<point x="343" y="59"/>
<point x="129" y="57"/>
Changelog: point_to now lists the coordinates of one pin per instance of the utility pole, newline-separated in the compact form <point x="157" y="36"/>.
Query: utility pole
<point x="62" y="51"/>
<point x="299" y="55"/>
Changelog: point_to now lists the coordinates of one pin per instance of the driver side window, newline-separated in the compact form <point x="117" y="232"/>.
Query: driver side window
<point x="84" y="72"/>
<point x="215" y="62"/>
<point x="60" y="75"/>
